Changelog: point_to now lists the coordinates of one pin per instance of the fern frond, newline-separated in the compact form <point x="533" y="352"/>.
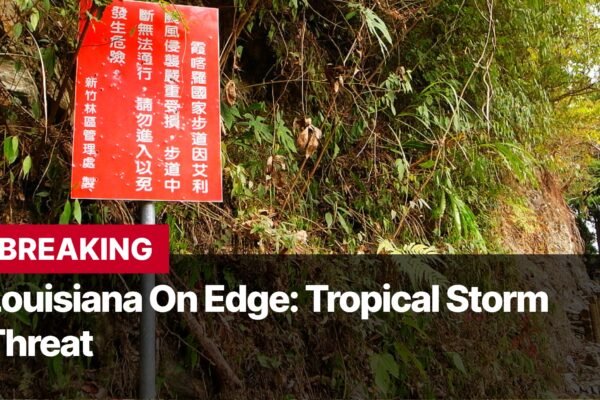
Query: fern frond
<point x="418" y="269"/>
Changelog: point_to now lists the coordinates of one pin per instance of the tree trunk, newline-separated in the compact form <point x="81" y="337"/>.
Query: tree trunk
<point x="596" y="217"/>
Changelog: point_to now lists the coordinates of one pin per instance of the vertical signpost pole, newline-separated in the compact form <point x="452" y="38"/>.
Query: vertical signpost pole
<point x="175" y="151"/>
<point x="147" y="388"/>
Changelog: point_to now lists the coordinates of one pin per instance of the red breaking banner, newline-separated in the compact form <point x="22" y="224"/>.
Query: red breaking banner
<point x="147" y="117"/>
<point x="84" y="249"/>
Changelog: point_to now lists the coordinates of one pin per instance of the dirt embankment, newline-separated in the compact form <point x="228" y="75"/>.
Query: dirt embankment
<point x="538" y="221"/>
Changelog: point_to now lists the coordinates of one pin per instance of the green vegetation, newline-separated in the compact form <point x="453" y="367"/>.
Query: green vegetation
<point x="432" y="105"/>
<point x="433" y="116"/>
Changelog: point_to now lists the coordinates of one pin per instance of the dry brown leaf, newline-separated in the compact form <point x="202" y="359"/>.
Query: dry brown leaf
<point x="275" y="170"/>
<point x="317" y="132"/>
<point x="302" y="139"/>
<point x="230" y="93"/>
<point x="312" y="146"/>
<point x="308" y="139"/>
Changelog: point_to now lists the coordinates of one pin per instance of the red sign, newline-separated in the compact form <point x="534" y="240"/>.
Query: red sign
<point x="84" y="249"/>
<point x="147" y="117"/>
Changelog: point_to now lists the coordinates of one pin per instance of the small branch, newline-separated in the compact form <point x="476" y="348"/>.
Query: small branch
<point x="591" y="88"/>
<point x="209" y="348"/>
<point x="94" y="10"/>
<point x="44" y="85"/>
<point x="237" y="31"/>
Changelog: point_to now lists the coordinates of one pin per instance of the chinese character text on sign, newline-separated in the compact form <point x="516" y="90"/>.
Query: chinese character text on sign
<point x="147" y="122"/>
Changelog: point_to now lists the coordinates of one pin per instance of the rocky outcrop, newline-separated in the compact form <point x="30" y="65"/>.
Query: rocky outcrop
<point x="537" y="220"/>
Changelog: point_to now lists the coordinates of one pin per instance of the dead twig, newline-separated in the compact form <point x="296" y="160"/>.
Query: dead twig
<point x="208" y="346"/>
<point x="237" y="30"/>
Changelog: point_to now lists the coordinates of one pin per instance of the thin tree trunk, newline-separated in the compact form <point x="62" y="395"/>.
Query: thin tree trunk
<point x="596" y="217"/>
<point x="597" y="226"/>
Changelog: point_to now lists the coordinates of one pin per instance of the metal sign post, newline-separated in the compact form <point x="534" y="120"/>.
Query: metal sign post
<point x="148" y="323"/>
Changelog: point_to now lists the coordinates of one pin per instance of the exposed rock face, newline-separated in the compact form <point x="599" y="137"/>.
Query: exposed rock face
<point x="17" y="80"/>
<point x="544" y="224"/>
<point x="8" y="14"/>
